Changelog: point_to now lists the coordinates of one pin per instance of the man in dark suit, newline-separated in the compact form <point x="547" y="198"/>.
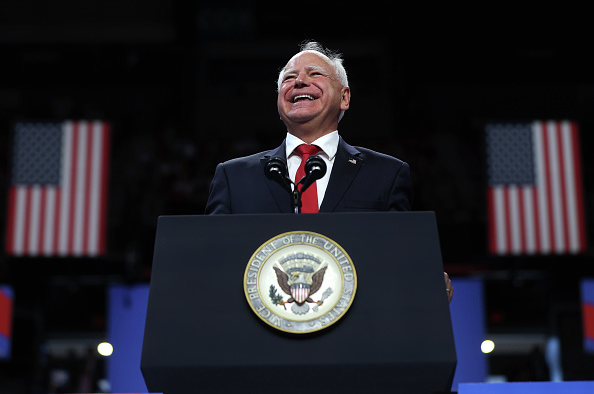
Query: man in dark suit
<point x="361" y="180"/>
<point x="313" y="94"/>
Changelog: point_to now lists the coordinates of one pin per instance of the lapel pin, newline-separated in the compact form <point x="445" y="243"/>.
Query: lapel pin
<point x="352" y="161"/>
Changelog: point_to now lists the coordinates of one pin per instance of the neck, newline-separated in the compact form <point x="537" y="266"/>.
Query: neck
<point x="310" y="134"/>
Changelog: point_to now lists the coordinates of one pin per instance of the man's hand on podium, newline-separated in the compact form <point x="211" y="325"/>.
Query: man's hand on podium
<point x="449" y="287"/>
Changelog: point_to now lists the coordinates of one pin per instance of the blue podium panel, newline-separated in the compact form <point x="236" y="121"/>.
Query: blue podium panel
<point x="468" y="321"/>
<point x="527" y="388"/>
<point x="125" y="329"/>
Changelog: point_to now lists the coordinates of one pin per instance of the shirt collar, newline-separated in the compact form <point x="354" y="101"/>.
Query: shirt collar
<point x="328" y="143"/>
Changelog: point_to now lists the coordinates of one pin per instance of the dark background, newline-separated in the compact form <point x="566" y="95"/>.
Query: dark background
<point x="187" y="85"/>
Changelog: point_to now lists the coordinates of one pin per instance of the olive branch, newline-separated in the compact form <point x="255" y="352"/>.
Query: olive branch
<point x="276" y="298"/>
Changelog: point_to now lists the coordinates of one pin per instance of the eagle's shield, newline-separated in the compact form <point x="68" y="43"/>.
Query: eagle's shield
<point x="300" y="292"/>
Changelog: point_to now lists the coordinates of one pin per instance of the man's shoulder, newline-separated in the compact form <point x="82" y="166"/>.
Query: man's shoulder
<point x="372" y="155"/>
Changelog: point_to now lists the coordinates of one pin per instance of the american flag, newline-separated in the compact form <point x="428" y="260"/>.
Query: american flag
<point x="534" y="196"/>
<point x="57" y="199"/>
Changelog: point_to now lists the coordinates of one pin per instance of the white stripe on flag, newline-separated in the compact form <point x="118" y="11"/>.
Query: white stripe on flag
<point x="541" y="181"/>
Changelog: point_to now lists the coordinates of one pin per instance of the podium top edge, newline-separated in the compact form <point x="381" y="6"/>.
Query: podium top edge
<point x="292" y="214"/>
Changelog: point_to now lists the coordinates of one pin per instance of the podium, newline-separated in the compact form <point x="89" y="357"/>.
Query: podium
<point x="202" y="336"/>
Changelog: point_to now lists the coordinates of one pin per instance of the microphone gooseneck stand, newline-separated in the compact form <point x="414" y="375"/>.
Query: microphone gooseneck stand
<point x="276" y="169"/>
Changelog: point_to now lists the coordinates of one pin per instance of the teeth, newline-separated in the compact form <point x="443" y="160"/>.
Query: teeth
<point x="303" y="96"/>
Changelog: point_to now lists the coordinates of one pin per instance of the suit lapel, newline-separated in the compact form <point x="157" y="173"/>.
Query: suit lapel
<point x="280" y="195"/>
<point x="347" y="163"/>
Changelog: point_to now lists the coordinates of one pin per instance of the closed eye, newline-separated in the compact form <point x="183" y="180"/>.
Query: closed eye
<point x="317" y="71"/>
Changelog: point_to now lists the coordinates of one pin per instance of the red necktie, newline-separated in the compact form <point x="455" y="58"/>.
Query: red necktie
<point x="309" y="199"/>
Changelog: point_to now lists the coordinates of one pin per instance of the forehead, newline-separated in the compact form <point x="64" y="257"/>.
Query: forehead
<point x="309" y="59"/>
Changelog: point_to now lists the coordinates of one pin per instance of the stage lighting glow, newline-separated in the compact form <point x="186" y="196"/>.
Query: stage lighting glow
<point x="487" y="346"/>
<point x="105" y="349"/>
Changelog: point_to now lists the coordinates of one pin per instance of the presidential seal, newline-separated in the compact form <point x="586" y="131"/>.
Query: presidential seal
<point x="300" y="282"/>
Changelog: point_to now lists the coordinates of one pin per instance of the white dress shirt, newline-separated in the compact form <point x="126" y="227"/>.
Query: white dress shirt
<point x="329" y="146"/>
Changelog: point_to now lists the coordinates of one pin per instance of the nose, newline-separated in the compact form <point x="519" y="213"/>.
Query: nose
<point x="301" y="80"/>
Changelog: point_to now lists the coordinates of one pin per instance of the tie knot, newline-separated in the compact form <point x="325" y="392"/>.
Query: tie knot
<point x="307" y="150"/>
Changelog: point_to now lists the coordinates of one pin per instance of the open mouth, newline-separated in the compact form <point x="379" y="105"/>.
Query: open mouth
<point x="302" y="97"/>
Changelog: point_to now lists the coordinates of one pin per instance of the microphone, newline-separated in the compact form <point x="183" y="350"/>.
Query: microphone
<point x="315" y="168"/>
<point x="276" y="170"/>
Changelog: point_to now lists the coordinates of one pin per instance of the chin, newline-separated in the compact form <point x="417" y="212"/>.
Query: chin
<point x="301" y="116"/>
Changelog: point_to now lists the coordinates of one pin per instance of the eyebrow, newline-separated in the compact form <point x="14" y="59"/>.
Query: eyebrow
<point x="307" y="68"/>
<point x="316" y="68"/>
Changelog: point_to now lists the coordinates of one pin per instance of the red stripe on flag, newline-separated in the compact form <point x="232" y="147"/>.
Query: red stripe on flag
<point x="5" y="315"/>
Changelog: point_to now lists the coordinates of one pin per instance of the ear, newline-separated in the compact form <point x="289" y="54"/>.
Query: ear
<point x="345" y="98"/>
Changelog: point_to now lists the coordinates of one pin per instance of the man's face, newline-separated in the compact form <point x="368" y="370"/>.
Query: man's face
<point x="310" y="91"/>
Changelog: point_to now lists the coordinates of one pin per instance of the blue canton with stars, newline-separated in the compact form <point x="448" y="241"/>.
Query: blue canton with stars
<point x="510" y="154"/>
<point x="36" y="154"/>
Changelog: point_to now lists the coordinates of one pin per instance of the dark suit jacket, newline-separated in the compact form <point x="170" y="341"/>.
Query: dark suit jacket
<point x="361" y="180"/>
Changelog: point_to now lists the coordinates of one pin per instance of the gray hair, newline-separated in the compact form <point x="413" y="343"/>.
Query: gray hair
<point x="334" y="57"/>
